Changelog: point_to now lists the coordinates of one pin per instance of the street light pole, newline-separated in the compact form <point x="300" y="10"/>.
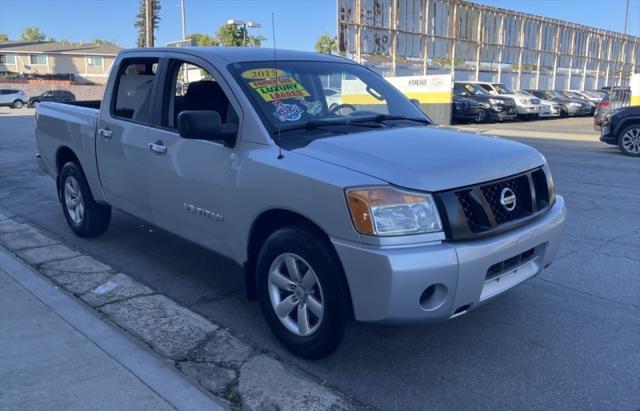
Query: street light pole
<point x="184" y="21"/>
<point x="245" y="25"/>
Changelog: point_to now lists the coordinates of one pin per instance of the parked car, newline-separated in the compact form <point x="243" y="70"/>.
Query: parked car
<point x="593" y="96"/>
<point x="60" y="96"/>
<point x="577" y="96"/>
<point x="528" y="107"/>
<point x="548" y="108"/>
<point x="13" y="98"/>
<point x="621" y="127"/>
<point x="495" y="108"/>
<point x="464" y="109"/>
<point x="375" y="214"/>
<point x="616" y="97"/>
<point x="568" y="107"/>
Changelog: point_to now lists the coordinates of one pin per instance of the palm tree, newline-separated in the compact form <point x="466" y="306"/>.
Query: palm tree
<point x="326" y="44"/>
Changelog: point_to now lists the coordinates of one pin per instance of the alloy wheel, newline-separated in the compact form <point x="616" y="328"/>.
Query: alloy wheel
<point x="73" y="200"/>
<point x="631" y="140"/>
<point x="296" y="294"/>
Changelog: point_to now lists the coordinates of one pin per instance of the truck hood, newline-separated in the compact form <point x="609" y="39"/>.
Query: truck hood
<point x="425" y="158"/>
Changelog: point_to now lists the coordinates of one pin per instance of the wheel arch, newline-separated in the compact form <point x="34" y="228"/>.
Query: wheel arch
<point x="64" y="155"/>
<point x="262" y="227"/>
<point x="624" y="124"/>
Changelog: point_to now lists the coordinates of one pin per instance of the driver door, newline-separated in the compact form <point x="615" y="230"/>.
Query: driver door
<point x="190" y="180"/>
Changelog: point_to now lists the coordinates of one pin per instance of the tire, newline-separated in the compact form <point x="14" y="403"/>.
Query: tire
<point x="329" y="322"/>
<point x="35" y="104"/>
<point x="629" y="141"/>
<point x="85" y="217"/>
<point x="17" y="104"/>
<point x="482" y="116"/>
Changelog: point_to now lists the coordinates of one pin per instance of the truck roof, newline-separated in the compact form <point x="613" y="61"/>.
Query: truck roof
<point x="240" y="54"/>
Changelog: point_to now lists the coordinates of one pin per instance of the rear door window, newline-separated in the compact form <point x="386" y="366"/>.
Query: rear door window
<point x="132" y="95"/>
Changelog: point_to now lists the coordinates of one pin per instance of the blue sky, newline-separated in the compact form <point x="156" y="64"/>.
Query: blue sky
<point x="298" y="22"/>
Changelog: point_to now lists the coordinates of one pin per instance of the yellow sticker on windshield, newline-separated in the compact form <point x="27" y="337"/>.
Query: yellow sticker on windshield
<point x="282" y="89"/>
<point x="262" y="73"/>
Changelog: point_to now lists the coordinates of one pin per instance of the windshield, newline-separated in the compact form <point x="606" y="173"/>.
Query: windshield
<point x="554" y="94"/>
<point x="471" y="89"/>
<point x="314" y="99"/>
<point x="502" y="89"/>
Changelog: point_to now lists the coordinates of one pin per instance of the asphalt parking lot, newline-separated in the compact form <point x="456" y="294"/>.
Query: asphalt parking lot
<point x="567" y="339"/>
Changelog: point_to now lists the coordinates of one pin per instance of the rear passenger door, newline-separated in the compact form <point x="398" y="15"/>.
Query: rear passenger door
<point x="189" y="179"/>
<point x="122" y="138"/>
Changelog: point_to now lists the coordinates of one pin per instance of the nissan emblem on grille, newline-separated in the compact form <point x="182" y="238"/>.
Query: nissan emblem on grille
<point x="508" y="199"/>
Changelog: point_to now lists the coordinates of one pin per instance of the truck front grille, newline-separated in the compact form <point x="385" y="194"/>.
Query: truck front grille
<point x="478" y="210"/>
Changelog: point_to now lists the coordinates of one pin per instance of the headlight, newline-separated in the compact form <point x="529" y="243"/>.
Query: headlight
<point x="386" y="211"/>
<point x="495" y="101"/>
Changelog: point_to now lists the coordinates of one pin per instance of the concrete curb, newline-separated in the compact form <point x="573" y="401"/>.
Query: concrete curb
<point x="204" y="352"/>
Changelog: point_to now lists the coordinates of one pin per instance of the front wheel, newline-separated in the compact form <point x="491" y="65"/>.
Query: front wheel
<point x="482" y="116"/>
<point x="303" y="293"/>
<point x="17" y="104"/>
<point x="85" y="217"/>
<point x="629" y="141"/>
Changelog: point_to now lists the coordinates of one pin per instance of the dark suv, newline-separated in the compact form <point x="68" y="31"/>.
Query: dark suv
<point x="621" y="127"/>
<point x="492" y="107"/>
<point x="60" y="96"/>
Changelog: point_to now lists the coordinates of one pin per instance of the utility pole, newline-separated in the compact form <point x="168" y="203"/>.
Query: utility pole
<point x="184" y="21"/>
<point x="148" y="8"/>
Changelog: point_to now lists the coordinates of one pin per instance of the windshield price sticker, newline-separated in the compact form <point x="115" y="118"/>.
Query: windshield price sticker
<point x="284" y="88"/>
<point x="263" y="73"/>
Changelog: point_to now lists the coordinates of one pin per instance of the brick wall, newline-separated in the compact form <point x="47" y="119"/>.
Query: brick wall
<point x="82" y="92"/>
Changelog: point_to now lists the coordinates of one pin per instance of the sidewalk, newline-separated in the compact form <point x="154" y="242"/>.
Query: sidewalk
<point x="56" y="353"/>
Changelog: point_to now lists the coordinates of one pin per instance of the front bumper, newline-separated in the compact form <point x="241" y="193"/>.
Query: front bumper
<point x="503" y="113"/>
<point x="525" y="110"/>
<point x="466" y="113"/>
<point x="606" y="134"/>
<point x="392" y="284"/>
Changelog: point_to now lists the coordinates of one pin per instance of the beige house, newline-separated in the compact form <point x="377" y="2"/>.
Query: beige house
<point x="89" y="63"/>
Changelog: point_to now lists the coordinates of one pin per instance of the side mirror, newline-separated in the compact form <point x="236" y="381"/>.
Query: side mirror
<point x="416" y="102"/>
<point x="203" y="125"/>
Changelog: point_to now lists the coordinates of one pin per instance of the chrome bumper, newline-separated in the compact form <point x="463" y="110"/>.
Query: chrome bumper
<point x="438" y="281"/>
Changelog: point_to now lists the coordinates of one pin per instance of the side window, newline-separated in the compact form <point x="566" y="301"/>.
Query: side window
<point x="193" y="88"/>
<point x="133" y="88"/>
<point x="486" y="87"/>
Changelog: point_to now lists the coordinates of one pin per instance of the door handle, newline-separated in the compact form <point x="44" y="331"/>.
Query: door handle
<point x="105" y="132"/>
<point x="158" y="147"/>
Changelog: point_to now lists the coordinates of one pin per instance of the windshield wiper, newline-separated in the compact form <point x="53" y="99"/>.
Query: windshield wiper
<point x="384" y="117"/>
<point x="320" y="124"/>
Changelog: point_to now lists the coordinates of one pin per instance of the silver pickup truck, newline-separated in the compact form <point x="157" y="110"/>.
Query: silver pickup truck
<point x="353" y="207"/>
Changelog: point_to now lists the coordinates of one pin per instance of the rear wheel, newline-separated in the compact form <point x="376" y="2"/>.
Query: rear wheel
<point x="303" y="293"/>
<point x="17" y="104"/>
<point x="629" y="141"/>
<point x="85" y="217"/>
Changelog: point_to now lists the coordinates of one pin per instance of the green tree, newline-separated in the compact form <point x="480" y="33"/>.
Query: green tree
<point x="4" y="37"/>
<point x="202" y="39"/>
<point x="230" y="35"/>
<point x="140" y="22"/>
<point x="32" y="34"/>
<point x="326" y="44"/>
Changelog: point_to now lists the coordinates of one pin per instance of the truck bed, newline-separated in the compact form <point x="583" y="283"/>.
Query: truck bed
<point x="71" y="126"/>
